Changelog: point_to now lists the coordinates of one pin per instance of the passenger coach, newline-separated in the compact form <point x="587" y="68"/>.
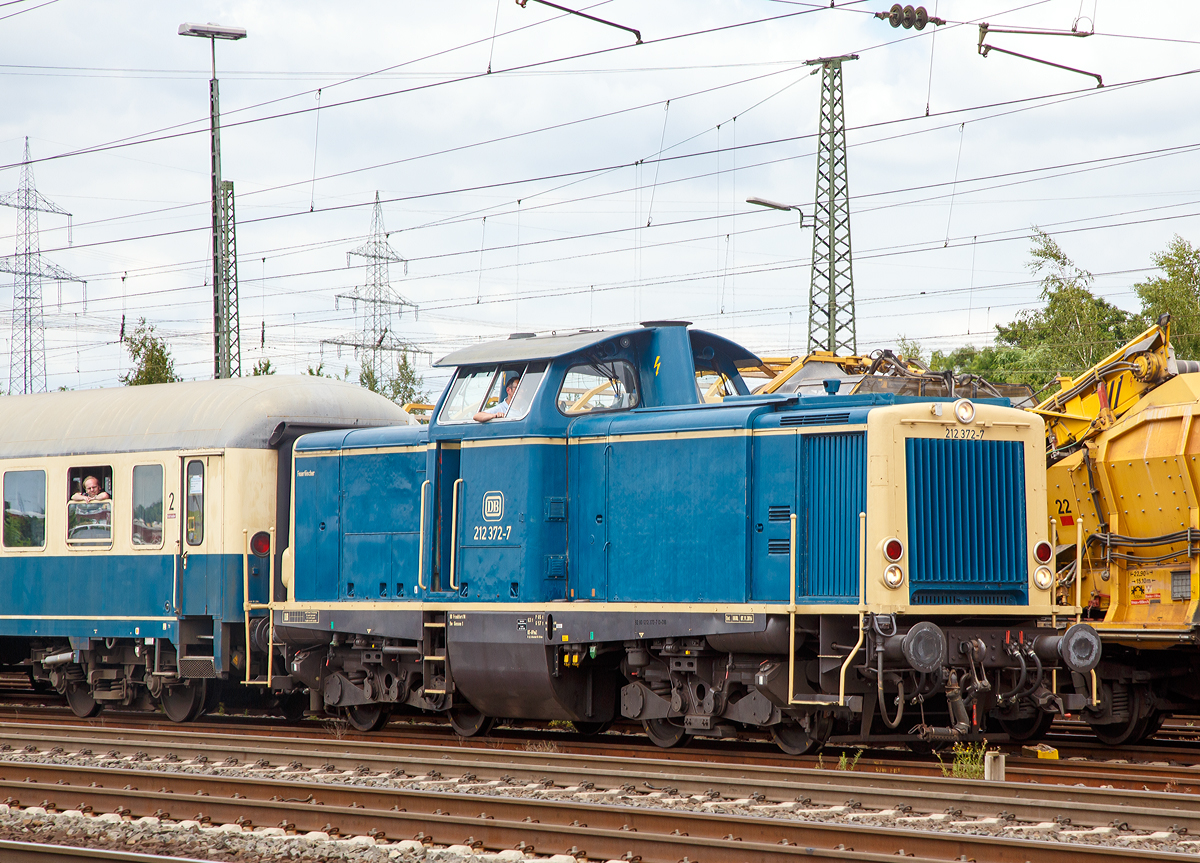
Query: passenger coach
<point x="125" y="556"/>
<point x="640" y="536"/>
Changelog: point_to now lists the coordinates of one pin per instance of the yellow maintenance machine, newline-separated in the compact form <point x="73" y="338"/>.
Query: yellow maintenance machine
<point x="1123" y="456"/>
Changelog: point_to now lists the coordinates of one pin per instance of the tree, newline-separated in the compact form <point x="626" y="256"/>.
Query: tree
<point x="406" y="386"/>
<point x="152" y="362"/>
<point x="1177" y="293"/>
<point x="262" y="367"/>
<point x="908" y="348"/>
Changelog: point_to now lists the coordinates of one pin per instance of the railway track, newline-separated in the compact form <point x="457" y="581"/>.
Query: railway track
<point x="584" y="829"/>
<point x="463" y="781"/>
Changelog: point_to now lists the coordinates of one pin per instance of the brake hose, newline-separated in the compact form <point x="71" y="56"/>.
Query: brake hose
<point x="890" y="723"/>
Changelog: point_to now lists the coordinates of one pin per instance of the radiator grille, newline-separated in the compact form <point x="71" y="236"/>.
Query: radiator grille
<point x="966" y="522"/>
<point x="834" y="483"/>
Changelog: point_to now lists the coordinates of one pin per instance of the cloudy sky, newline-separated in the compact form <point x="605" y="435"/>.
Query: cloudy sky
<point x="587" y="181"/>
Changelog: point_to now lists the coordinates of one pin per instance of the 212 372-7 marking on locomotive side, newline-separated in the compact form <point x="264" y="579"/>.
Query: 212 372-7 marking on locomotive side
<point x="964" y="434"/>
<point x="485" y="532"/>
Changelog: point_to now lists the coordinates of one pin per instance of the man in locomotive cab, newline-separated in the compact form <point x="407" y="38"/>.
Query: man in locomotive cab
<point x="501" y="408"/>
<point x="91" y="491"/>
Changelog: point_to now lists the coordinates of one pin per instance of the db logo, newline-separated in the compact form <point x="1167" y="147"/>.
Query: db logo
<point x="493" y="506"/>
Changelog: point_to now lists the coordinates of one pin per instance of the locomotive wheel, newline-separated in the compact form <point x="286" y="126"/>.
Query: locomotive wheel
<point x="591" y="729"/>
<point x="79" y="699"/>
<point x="1029" y="727"/>
<point x="183" y="702"/>
<point x="664" y="733"/>
<point x="368" y="717"/>
<point x="794" y="740"/>
<point x="469" y="722"/>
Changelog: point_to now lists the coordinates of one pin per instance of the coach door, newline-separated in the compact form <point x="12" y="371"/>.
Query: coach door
<point x="199" y="521"/>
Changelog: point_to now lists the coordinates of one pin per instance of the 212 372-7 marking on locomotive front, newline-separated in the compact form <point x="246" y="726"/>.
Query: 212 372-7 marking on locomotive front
<point x="964" y="434"/>
<point x="486" y="532"/>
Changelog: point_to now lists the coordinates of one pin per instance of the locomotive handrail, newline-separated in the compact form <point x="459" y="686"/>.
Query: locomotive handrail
<point x="454" y="531"/>
<point x="862" y="579"/>
<point x="421" y="540"/>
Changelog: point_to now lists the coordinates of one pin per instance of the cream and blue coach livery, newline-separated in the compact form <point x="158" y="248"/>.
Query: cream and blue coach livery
<point x="140" y="521"/>
<point x="609" y="525"/>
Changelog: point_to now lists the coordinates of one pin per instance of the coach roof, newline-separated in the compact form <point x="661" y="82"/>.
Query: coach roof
<point x="234" y="413"/>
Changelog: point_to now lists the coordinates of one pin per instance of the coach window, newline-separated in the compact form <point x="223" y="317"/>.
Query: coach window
<point x="25" y="509"/>
<point x="195" y="502"/>
<point x="147" y="503"/>
<point x="89" y="506"/>
<point x="598" y="387"/>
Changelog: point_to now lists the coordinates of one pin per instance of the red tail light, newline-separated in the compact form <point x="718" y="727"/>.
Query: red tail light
<point x="893" y="549"/>
<point x="1042" y="552"/>
<point x="260" y="544"/>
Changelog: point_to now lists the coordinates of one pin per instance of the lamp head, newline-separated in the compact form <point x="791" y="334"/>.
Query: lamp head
<point x="212" y="31"/>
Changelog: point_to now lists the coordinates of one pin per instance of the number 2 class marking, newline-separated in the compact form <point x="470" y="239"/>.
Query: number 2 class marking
<point x="1064" y="506"/>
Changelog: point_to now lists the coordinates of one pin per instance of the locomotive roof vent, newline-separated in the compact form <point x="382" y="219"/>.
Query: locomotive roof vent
<point x="522" y="335"/>
<point x="666" y="323"/>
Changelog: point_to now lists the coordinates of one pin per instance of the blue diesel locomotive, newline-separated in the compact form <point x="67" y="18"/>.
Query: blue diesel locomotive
<point x="609" y="524"/>
<point x="129" y="516"/>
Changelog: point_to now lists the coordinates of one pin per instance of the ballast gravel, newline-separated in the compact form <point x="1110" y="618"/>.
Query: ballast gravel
<point x="230" y="842"/>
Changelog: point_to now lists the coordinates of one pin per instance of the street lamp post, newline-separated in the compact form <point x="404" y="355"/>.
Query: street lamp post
<point x="775" y="205"/>
<point x="225" y="358"/>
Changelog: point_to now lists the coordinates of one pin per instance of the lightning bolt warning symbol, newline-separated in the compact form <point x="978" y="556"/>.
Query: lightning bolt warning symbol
<point x="656" y="362"/>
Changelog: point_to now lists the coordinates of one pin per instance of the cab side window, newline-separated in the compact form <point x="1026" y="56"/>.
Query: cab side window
<point x="147" y="502"/>
<point x="195" y="502"/>
<point x="89" y="506"/>
<point x="25" y="509"/>
<point x="598" y="387"/>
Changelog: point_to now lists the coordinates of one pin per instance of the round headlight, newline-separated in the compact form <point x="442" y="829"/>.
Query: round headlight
<point x="1043" y="577"/>
<point x="964" y="410"/>
<point x="1043" y="551"/>
<point x="893" y="576"/>
<point x="893" y="550"/>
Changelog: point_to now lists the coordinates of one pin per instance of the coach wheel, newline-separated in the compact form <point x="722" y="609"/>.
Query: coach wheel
<point x="1024" y="728"/>
<point x="183" y="702"/>
<point x="590" y="729"/>
<point x="469" y="722"/>
<point x="79" y="699"/>
<point x="368" y="717"/>
<point x="794" y="739"/>
<point x="664" y="733"/>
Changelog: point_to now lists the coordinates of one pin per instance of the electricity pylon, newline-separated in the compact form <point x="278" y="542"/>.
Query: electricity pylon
<point x="831" y="291"/>
<point x="377" y="336"/>
<point x="27" y="357"/>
